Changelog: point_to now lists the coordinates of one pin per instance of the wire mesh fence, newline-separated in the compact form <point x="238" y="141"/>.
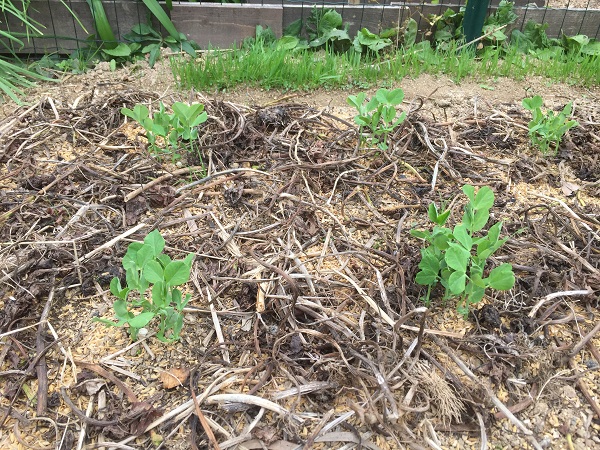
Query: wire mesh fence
<point x="570" y="17"/>
<point x="68" y="29"/>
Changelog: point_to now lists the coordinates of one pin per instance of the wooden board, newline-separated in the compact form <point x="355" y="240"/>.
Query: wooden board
<point x="399" y="2"/>
<point x="496" y="2"/>
<point x="223" y="25"/>
<point x="567" y="21"/>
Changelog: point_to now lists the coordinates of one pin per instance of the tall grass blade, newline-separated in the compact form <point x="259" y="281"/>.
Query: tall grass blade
<point x="74" y="15"/>
<point x="103" y="28"/>
<point x="12" y="76"/>
<point x="162" y="17"/>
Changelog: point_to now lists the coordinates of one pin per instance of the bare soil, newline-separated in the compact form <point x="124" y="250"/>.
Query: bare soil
<point x="305" y="328"/>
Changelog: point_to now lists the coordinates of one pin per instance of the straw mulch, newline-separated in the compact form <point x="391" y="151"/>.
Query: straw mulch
<point x="305" y="328"/>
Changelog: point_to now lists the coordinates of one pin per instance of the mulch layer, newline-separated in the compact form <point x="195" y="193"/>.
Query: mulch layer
<point x="306" y="328"/>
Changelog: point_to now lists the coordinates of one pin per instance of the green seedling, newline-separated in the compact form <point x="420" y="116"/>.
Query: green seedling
<point x="177" y="128"/>
<point x="156" y="126"/>
<point x="547" y="129"/>
<point x="148" y="270"/>
<point x="379" y="114"/>
<point x="186" y="118"/>
<point x="457" y="258"/>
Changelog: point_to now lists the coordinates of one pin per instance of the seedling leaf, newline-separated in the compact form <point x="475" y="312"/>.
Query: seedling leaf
<point x="141" y="320"/>
<point x="456" y="282"/>
<point x="469" y="192"/>
<point x="502" y="277"/>
<point x="120" y="307"/>
<point x="462" y="235"/>
<point x="457" y="257"/>
<point x="156" y="242"/>
<point x="484" y="198"/>
<point x="153" y="272"/>
<point x="176" y="273"/>
<point x="479" y="220"/>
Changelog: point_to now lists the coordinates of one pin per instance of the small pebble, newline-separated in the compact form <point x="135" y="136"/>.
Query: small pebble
<point x="569" y="392"/>
<point x="591" y="364"/>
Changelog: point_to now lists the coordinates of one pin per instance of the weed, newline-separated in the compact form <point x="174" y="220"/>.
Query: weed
<point x="322" y="29"/>
<point x="146" y="267"/>
<point x="546" y="129"/>
<point x="276" y="67"/>
<point x="457" y="258"/>
<point x="367" y="42"/>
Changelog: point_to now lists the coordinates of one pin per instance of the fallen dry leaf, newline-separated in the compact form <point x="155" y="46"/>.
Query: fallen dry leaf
<point x="174" y="377"/>
<point x="569" y="188"/>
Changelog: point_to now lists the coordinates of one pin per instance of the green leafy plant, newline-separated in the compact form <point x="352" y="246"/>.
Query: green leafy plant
<point x="148" y="269"/>
<point x="457" y="258"/>
<point x="580" y="43"/>
<point x="15" y="76"/>
<point x="142" y="39"/>
<point x="534" y="40"/>
<point x="141" y="42"/>
<point x="448" y="26"/>
<point x="263" y="37"/>
<point x="323" y="28"/>
<point x="406" y="35"/>
<point x="177" y="128"/>
<point x="532" y="37"/>
<point x="367" y="41"/>
<point x="547" y="128"/>
<point x="445" y="28"/>
<point x="503" y="15"/>
<point x="379" y="114"/>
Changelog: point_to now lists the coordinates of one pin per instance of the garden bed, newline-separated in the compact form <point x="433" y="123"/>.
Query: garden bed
<point x="305" y="328"/>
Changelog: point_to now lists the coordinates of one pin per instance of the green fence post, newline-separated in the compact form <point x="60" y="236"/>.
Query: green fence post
<point x="475" y="13"/>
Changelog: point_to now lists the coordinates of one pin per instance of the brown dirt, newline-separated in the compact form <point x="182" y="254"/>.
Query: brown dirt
<point x="439" y="89"/>
<point x="323" y="219"/>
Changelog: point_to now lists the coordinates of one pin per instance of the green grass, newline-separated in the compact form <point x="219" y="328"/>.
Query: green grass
<point x="14" y="76"/>
<point x="268" y="67"/>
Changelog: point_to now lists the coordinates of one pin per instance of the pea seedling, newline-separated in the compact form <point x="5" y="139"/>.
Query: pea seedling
<point x="457" y="258"/>
<point x="379" y="114"/>
<point x="547" y="128"/>
<point x="146" y="267"/>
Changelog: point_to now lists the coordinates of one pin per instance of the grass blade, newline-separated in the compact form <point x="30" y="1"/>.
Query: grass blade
<point x="103" y="28"/>
<point x="162" y="17"/>
<point x="74" y="15"/>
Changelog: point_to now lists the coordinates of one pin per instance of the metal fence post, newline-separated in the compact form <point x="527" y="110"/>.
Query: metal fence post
<point x="475" y="13"/>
